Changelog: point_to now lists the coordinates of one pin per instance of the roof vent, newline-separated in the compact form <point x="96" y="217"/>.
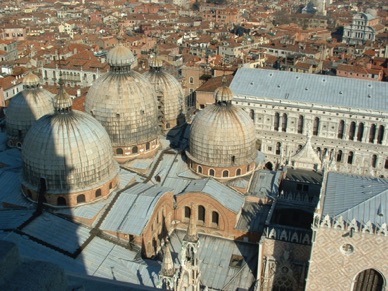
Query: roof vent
<point x="369" y="96"/>
<point x="340" y="92"/>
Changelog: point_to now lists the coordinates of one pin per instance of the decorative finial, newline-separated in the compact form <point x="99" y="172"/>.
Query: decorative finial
<point x="192" y="234"/>
<point x="168" y="269"/>
<point x="62" y="101"/>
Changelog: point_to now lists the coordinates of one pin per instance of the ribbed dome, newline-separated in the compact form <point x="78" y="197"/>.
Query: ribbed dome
<point x="120" y="56"/>
<point x="26" y="107"/>
<point x="71" y="151"/>
<point x="167" y="86"/>
<point x="31" y="79"/>
<point x="124" y="102"/>
<point x="223" y="94"/>
<point x="222" y="135"/>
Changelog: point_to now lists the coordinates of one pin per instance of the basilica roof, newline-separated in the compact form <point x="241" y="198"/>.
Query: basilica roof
<point x="124" y="102"/>
<point x="168" y="87"/>
<point x="222" y="135"/>
<point x="69" y="149"/>
<point x="27" y="107"/>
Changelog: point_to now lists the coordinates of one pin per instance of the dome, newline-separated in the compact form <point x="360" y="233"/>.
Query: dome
<point x="25" y="108"/>
<point x="72" y="152"/>
<point x="120" y="56"/>
<point x="124" y="102"/>
<point x="223" y="94"/>
<point x="31" y="80"/>
<point x="222" y="136"/>
<point x="169" y="94"/>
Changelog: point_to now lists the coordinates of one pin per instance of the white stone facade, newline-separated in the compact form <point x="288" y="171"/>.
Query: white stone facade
<point x="353" y="140"/>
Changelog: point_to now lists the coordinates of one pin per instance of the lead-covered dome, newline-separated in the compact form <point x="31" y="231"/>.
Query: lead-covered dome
<point x="124" y="102"/>
<point x="71" y="153"/>
<point x="169" y="94"/>
<point x="222" y="139"/>
<point x="25" y="108"/>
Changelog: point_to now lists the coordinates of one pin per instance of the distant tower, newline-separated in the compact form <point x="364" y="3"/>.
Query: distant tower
<point x="168" y="274"/>
<point x="189" y="273"/>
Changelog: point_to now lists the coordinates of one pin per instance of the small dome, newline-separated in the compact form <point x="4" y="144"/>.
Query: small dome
<point x="25" y="108"/>
<point x="31" y="80"/>
<point x="62" y="100"/>
<point x="120" y="56"/>
<point x="223" y="94"/>
<point x="222" y="136"/>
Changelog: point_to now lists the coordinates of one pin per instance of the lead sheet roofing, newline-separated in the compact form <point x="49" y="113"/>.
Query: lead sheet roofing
<point x="223" y="194"/>
<point x="360" y="197"/>
<point x="310" y="89"/>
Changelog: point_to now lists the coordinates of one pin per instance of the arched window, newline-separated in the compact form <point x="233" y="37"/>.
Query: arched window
<point x="316" y="126"/>
<point x="278" y="148"/>
<point x="191" y="80"/>
<point x="110" y="185"/>
<point x="380" y="134"/>
<point x="199" y="169"/>
<point x="187" y="212"/>
<point x="252" y="114"/>
<point x="147" y="146"/>
<point x="352" y="130"/>
<point x="372" y="133"/>
<point x="370" y="280"/>
<point x="211" y="172"/>
<point x="168" y="125"/>
<point x="300" y="124"/>
<point x="350" y="158"/>
<point x="238" y="172"/>
<point x="61" y="201"/>
<point x="341" y="127"/>
<point x="215" y="218"/>
<point x="119" y="151"/>
<point x="276" y="121"/>
<point x="233" y="159"/>
<point x="360" y="131"/>
<point x="374" y="161"/>
<point x="225" y="173"/>
<point x="248" y="167"/>
<point x="284" y="122"/>
<point x="339" y="156"/>
<point x="98" y="193"/>
<point x="134" y="150"/>
<point x="201" y="213"/>
<point x="80" y="198"/>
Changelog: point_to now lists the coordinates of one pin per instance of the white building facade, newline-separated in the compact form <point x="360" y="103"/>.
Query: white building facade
<point x="345" y="119"/>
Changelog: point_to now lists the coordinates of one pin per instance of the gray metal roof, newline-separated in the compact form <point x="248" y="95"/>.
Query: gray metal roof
<point x="253" y="217"/>
<point x="223" y="194"/>
<point x="360" y="197"/>
<point x="133" y="209"/>
<point x="57" y="231"/>
<point x="265" y="183"/>
<point x="100" y="258"/>
<point x="310" y="89"/>
<point x="11" y="218"/>
<point x="214" y="261"/>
